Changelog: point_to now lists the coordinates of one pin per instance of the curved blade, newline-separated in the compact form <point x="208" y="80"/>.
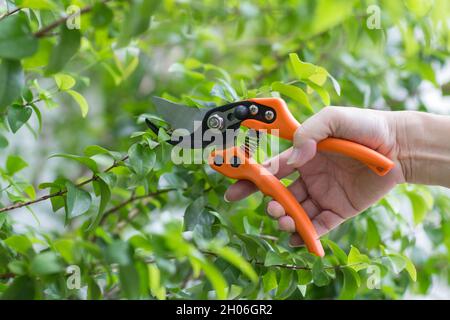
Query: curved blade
<point x="177" y="115"/>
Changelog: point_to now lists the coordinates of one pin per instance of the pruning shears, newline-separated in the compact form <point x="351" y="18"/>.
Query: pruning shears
<point x="218" y="127"/>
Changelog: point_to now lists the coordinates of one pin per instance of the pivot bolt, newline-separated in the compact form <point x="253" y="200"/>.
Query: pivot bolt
<point x="253" y="109"/>
<point x="269" y="115"/>
<point x="241" y="112"/>
<point x="215" y="122"/>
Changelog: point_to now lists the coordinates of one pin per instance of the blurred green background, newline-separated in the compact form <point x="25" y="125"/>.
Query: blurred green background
<point x="139" y="227"/>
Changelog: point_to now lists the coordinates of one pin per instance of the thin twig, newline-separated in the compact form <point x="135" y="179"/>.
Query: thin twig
<point x="59" y="193"/>
<point x="7" y="276"/>
<point x="45" y="30"/>
<point x="7" y="14"/>
<point x="133" y="199"/>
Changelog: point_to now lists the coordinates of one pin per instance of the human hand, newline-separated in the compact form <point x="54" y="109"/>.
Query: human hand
<point x="332" y="188"/>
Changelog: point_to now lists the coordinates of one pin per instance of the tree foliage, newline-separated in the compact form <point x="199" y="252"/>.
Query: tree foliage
<point x="76" y="79"/>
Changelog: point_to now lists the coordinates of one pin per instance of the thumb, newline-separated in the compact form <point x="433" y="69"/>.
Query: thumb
<point x="320" y="126"/>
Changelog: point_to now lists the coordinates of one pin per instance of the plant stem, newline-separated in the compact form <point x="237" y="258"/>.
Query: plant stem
<point x="6" y="276"/>
<point x="7" y="14"/>
<point x="59" y="193"/>
<point x="45" y="30"/>
<point x="133" y="199"/>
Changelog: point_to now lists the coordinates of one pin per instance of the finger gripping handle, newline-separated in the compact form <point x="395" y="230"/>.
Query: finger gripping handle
<point x="272" y="187"/>
<point x="285" y="126"/>
<point x="377" y="162"/>
<point x="245" y="168"/>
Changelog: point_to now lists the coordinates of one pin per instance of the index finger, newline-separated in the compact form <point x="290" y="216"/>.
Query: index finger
<point x="277" y="165"/>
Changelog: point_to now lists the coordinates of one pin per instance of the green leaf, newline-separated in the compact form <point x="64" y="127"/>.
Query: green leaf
<point x="419" y="7"/>
<point x="22" y="288"/>
<point x="64" y="50"/>
<point x="101" y="15"/>
<point x="140" y="242"/>
<point x="36" y="4"/>
<point x="118" y="252"/>
<point x="351" y="284"/>
<point x="337" y="251"/>
<point x="38" y="115"/>
<point x="193" y="214"/>
<point x="314" y="75"/>
<point x="154" y="277"/>
<point x="65" y="248"/>
<point x="401" y="262"/>
<point x="19" y="243"/>
<point x="171" y="180"/>
<point x="421" y="202"/>
<point x="12" y="81"/>
<point x="88" y="162"/>
<point x="81" y="101"/>
<point x="273" y="258"/>
<point x="304" y="276"/>
<point x="3" y="218"/>
<point x="15" y="164"/>
<point x="285" y="284"/>
<point x="58" y="185"/>
<point x="320" y="277"/>
<point x="46" y="263"/>
<point x="142" y="159"/>
<point x="357" y="260"/>
<point x="270" y="280"/>
<point x="303" y="70"/>
<point x="78" y="201"/>
<point x="214" y="276"/>
<point x="336" y="85"/>
<point x="94" y="150"/>
<point x="3" y="142"/>
<point x="329" y="13"/>
<point x="129" y="281"/>
<point x="238" y="261"/>
<point x="410" y="268"/>
<point x="105" y="196"/>
<point x="16" y="39"/>
<point x="137" y="20"/>
<point x="294" y="93"/>
<point x="397" y="261"/>
<point x="17" y="116"/>
<point x="41" y="57"/>
<point x="323" y="94"/>
<point x="64" y="81"/>
<point x="18" y="267"/>
<point x="94" y="292"/>
<point x="224" y="91"/>
<point x="373" y="236"/>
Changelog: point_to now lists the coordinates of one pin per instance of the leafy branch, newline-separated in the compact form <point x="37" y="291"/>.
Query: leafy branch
<point x="7" y="14"/>
<point x="61" y="192"/>
<point x="131" y="200"/>
<point x="260" y="263"/>
<point x="46" y="30"/>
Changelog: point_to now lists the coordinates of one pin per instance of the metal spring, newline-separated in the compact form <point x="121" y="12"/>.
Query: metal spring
<point x="251" y="142"/>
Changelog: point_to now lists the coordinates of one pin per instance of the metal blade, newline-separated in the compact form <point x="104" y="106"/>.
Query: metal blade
<point x="177" y="115"/>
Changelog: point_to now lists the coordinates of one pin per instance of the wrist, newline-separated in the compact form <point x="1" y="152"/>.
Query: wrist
<point x="423" y="147"/>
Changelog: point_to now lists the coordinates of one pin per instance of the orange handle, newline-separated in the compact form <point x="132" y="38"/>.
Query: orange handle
<point x="377" y="162"/>
<point x="285" y="126"/>
<point x="234" y="164"/>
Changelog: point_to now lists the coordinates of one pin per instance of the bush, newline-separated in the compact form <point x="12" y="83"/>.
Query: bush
<point x="92" y="206"/>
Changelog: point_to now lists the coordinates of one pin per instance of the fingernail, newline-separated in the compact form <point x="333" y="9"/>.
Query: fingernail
<point x="225" y="198"/>
<point x="295" y="155"/>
